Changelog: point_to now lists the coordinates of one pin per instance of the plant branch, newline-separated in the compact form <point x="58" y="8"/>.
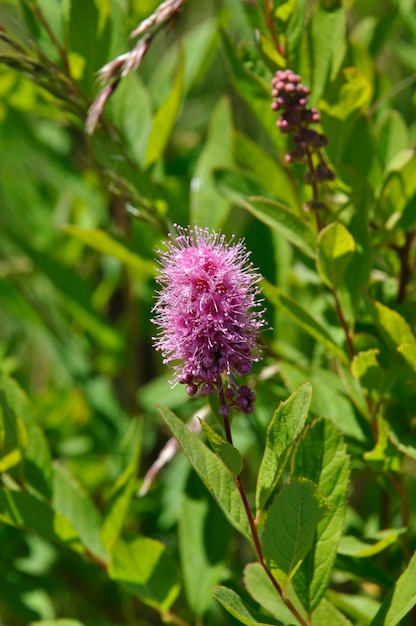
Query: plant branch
<point x="253" y="529"/>
<point x="405" y="266"/>
<point x="344" y="324"/>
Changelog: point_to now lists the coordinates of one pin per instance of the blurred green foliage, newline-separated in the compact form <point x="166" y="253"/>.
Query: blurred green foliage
<point x="190" y="138"/>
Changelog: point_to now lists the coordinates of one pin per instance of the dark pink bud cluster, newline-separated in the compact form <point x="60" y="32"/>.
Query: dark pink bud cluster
<point x="290" y="97"/>
<point x="208" y="316"/>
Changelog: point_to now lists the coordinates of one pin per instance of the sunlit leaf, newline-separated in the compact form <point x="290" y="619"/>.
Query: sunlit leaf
<point x="400" y="600"/>
<point x="335" y="250"/>
<point x="147" y="570"/>
<point x="102" y="242"/>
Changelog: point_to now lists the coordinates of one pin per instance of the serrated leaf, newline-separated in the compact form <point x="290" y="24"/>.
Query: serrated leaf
<point x="73" y="503"/>
<point x="229" y="455"/>
<point x="216" y="477"/>
<point x="239" y="609"/>
<point x="165" y="117"/>
<point x="321" y="455"/>
<point x="207" y="206"/>
<point x="291" y="523"/>
<point x="400" y="600"/>
<point x="336" y="248"/>
<point x="393" y="327"/>
<point x="203" y="542"/>
<point x="262" y="590"/>
<point x="146" y="569"/>
<point x="105" y="244"/>
<point x="285" y="426"/>
<point x="301" y="317"/>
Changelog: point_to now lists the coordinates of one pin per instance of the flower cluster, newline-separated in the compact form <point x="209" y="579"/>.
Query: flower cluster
<point x="208" y="316"/>
<point x="291" y="97"/>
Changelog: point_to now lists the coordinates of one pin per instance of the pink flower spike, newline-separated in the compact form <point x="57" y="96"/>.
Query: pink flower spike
<point x="207" y="310"/>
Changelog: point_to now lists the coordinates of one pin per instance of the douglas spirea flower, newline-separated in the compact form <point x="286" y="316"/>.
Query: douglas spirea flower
<point x="208" y="315"/>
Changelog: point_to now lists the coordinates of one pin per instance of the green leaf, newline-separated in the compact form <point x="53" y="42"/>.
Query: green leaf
<point x="301" y="317"/>
<point x="285" y="426"/>
<point x="353" y="546"/>
<point x="266" y="169"/>
<point x="119" y="499"/>
<point x="408" y="352"/>
<point x="207" y="206"/>
<point x="57" y="622"/>
<point x="351" y="92"/>
<point x="393" y="137"/>
<point x="291" y="523"/>
<point x="13" y="437"/>
<point x="144" y="566"/>
<point x="393" y="327"/>
<point x="22" y="510"/>
<point x="367" y="370"/>
<point x="240" y="609"/>
<point x="327" y="613"/>
<point x="294" y="33"/>
<point x="400" y="600"/>
<point x="263" y="591"/>
<point x="253" y="89"/>
<point x="164" y="119"/>
<point x="335" y="250"/>
<point x="74" y="504"/>
<point x="283" y="221"/>
<point x="76" y="291"/>
<point x="216" y="477"/>
<point x="229" y="455"/>
<point x="243" y="190"/>
<point x="83" y="26"/>
<point x="131" y="110"/>
<point x="105" y="244"/>
<point x="17" y="410"/>
<point x="321" y="456"/>
<point x="328" y="30"/>
<point x="203" y="542"/>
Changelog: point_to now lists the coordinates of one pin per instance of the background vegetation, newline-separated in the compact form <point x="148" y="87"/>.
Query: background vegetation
<point x="190" y="138"/>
